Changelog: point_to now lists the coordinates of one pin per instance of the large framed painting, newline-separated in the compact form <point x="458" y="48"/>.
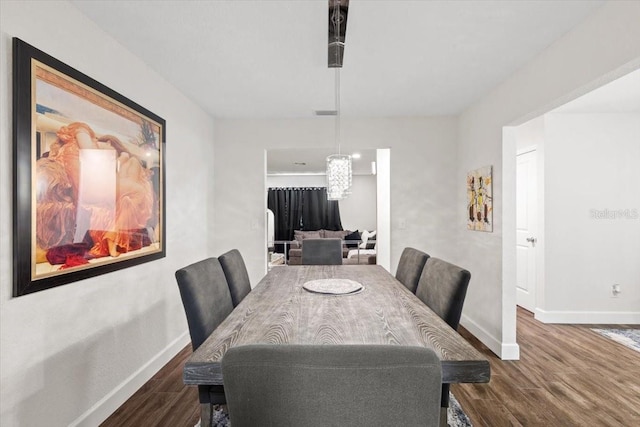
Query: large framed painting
<point x="89" y="191"/>
<point x="480" y="199"/>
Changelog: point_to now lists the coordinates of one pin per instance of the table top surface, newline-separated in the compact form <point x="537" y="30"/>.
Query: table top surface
<point x="279" y="311"/>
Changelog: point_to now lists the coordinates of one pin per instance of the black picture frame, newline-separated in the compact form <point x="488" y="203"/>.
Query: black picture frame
<point x="88" y="169"/>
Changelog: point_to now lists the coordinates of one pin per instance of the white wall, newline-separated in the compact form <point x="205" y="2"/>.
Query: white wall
<point x="357" y="212"/>
<point x="296" y="181"/>
<point x="423" y="166"/>
<point x="592" y="212"/>
<point x="604" y="46"/>
<point x="529" y="135"/>
<point x="73" y="353"/>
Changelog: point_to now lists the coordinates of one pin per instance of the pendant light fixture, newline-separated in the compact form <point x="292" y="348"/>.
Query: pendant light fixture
<point x="338" y="165"/>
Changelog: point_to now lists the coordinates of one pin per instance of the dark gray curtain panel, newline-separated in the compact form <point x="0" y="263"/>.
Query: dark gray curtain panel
<point x="302" y="209"/>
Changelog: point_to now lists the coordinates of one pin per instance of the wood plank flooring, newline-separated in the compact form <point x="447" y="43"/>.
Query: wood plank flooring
<point x="163" y="401"/>
<point x="568" y="376"/>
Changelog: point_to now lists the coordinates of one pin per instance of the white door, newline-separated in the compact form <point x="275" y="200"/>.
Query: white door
<point x="526" y="204"/>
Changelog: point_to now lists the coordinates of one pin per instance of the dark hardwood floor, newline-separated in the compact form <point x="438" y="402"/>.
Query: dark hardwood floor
<point x="163" y="401"/>
<point x="567" y="375"/>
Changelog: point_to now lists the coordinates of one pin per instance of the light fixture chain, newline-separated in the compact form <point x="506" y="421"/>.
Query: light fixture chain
<point x="337" y="18"/>
<point x="338" y="141"/>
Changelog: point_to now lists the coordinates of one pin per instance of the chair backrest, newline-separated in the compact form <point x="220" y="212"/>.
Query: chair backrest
<point x="322" y="251"/>
<point x="236" y="273"/>
<point x="205" y="297"/>
<point x="443" y="287"/>
<point x="410" y="267"/>
<point x="319" y="385"/>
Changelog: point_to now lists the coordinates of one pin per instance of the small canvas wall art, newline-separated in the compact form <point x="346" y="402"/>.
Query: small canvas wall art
<point x="480" y="199"/>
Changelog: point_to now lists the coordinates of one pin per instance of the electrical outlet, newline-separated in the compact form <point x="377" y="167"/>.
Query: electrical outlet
<point x="615" y="290"/>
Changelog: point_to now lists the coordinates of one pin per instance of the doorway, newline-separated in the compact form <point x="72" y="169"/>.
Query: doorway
<point x="367" y="208"/>
<point x="526" y="228"/>
<point x="592" y="125"/>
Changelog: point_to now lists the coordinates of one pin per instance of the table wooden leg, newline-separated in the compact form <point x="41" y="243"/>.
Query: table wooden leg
<point x="443" y="417"/>
<point x="205" y="414"/>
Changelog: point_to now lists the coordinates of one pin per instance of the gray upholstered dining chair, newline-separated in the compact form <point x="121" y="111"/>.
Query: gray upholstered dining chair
<point x="207" y="302"/>
<point x="410" y="267"/>
<point x="322" y="252"/>
<point x="319" y="385"/>
<point x="443" y="287"/>
<point x="236" y="273"/>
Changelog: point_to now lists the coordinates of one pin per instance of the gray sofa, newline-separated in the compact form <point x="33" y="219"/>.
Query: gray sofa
<point x="295" y="249"/>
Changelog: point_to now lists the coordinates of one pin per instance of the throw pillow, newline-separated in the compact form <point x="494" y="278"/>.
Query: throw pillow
<point x="300" y="235"/>
<point x="366" y="235"/>
<point x="339" y="234"/>
<point x="311" y="235"/>
<point x="353" y="236"/>
<point x="371" y="242"/>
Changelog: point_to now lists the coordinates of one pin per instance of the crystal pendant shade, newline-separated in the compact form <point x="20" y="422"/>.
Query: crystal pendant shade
<point x="338" y="176"/>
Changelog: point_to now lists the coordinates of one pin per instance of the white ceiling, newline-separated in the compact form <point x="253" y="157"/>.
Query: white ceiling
<point x="619" y="96"/>
<point x="313" y="161"/>
<point x="268" y="59"/>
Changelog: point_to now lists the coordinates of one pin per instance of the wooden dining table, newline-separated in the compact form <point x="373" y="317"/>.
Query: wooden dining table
<point x="279" y="310"/>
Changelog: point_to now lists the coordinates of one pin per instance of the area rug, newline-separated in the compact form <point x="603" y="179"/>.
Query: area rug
<point x="455" y="415"/>
<point x="626" y="337"/>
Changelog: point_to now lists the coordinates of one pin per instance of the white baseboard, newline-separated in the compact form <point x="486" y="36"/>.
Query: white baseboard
<point x="510" y="352"/>
<point x="505" y="351"/>
<point x="114" y="399"/>
<point x="589" y="317"/>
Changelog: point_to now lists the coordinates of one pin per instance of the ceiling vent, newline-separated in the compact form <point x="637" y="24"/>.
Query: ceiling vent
<point x="325" y="113"/>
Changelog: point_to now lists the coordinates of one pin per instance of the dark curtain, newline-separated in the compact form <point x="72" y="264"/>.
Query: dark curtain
<point x="302" y="209"/>
<point x="319" y="213"/>
<point x="333" y="214"/>
<point x="286" y="205"/>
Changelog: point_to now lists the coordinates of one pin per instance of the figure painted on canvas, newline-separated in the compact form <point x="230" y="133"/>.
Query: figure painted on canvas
<point x="480" y="199"/>
<point x="96" y="193"/>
